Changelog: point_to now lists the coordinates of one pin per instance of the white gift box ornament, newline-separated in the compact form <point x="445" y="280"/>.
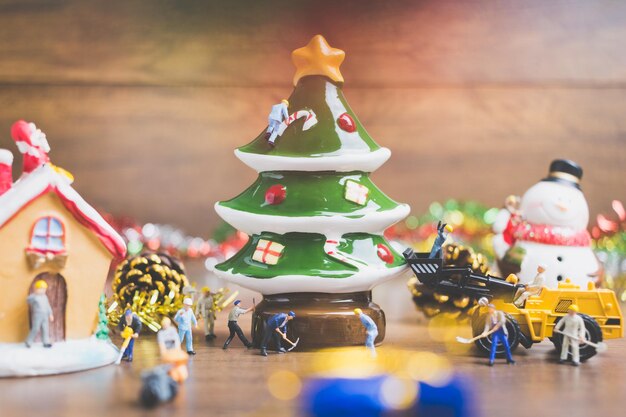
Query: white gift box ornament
<point x="268" y="252"/>
<point x="356" y="192"/>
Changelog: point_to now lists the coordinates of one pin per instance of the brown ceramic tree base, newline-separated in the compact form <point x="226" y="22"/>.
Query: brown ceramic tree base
<point x="322" y="320"/>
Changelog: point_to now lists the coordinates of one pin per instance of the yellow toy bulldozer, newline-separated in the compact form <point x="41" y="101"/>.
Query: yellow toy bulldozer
<point x="535" y="321"/>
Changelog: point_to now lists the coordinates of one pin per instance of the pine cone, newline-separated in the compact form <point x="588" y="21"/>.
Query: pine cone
<point x="151" y="285"/>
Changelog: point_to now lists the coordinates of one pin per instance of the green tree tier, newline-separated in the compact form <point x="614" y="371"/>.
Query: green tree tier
<point x="304" y="254"/>
<point x="310" y="194"/>
<point x="326" y="99"/>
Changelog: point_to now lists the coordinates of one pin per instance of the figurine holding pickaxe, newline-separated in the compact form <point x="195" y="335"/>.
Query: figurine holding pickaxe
<point x="276" y="328"/>
<point x="495" y="326"/>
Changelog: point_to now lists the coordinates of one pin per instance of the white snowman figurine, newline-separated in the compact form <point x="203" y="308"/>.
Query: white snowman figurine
<point x="548" y="226"/>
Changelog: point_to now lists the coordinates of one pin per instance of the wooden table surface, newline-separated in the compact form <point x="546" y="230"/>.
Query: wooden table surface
<point x="233" y="382"/>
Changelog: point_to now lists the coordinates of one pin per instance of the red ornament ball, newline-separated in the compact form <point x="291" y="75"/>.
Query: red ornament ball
<point x="276" y="194"/>
<point x="346" y="122"/>
<point x="384" y="253"/>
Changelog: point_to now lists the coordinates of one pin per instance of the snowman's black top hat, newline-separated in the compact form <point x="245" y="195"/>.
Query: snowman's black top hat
<point x="565" y="172"/>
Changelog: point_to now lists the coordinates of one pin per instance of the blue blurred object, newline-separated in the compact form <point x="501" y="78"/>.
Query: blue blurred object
<point x="455" y="399"/>
<point x="363" y="397"/>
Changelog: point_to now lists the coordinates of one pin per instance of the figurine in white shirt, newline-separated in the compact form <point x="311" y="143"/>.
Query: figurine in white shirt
<point x="278" y="113"/>
<point x="533" y="288"/>
<point x="572" y="327"/>
<point x="167" y="337"/>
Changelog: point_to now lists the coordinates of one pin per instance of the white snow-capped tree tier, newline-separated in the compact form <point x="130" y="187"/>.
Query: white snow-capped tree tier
<point x="373" y="222"/>
<point x="365" y="280"/>
<point x="314" y="217"/>
<point x="365" y="161"/>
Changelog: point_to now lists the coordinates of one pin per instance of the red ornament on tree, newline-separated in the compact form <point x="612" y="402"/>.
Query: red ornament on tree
<point x="346" y="122"/>
<point x="275" y="194"/>
<point x="384" y="253"/>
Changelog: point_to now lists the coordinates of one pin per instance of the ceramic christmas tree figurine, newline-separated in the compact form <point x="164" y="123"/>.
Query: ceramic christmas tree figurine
<point x="548" y="227"/>
<point x="314" y="217"/>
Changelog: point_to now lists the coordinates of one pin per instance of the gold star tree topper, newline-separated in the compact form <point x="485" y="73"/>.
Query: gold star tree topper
<point x="318" y="58"/>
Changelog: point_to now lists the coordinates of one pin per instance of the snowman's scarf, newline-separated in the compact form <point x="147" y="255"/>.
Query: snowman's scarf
<point x="519" y="229"/>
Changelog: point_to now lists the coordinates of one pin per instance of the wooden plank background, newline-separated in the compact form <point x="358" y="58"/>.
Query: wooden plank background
<point x="144" y="101"/>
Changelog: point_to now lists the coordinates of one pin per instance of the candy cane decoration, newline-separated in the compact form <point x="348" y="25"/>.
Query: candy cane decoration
<point x="331" y="249"/>
<point x="309" y="121"/>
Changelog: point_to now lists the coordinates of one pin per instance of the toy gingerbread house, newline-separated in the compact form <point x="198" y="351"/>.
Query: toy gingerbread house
<point x="49" y="232"/>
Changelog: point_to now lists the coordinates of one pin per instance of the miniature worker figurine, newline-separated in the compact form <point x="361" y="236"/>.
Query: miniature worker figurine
<point x="370" y="328"/>
<point x="233" y="326"/>
<point x="435" y="252"/>
<point x="131" y="320"/>
<point x="205" y="308"/>
<point x="495" y="324"/>
<point x="278" y="113"/>
<point x="533" y="288"/>
<point x="185" y="318"/>
<point x="171" y="354"/>
<point x="276" y="328"/>
<point x="40" y="313"/>
<point x="167" y="337"/>
<point x="572" y="327"/>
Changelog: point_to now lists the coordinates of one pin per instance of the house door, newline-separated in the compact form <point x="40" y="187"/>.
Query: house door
<point x="57" y="296"/>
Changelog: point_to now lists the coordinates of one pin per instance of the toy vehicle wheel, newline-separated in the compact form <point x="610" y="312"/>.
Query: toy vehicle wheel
<point x="484" y="344"/>
<point x="593" y="333"/>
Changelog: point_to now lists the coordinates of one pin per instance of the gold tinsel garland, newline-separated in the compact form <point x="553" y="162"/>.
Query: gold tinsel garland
<point x="433" y="304"/>
<point x="151" y="285"/>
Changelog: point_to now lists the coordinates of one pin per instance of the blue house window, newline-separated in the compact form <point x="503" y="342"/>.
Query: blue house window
<point x="48" y="235"/>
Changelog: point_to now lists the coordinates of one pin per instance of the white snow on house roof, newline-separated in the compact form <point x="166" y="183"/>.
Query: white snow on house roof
<point x="45" y="179"/>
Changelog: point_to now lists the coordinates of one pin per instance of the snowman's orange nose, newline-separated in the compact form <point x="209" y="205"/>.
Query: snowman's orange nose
<point x="562" y="207"/>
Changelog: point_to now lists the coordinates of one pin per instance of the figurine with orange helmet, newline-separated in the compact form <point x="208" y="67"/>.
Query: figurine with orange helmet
<point x="205" y="308"/>
<point x="371" y="330"/>
<point x="40" y="313"/>
<point x="572" y="327"/>
<point x="278" y="113"/>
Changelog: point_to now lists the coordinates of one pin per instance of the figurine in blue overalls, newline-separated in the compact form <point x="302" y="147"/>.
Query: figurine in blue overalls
<point x="131" y="320"/>
<point x="371" y="330"/>
<point x="184" y="318"/>
<point x="276" y="328"/>
<point x="495" y="325"/>
<point x="435" y="252"/>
